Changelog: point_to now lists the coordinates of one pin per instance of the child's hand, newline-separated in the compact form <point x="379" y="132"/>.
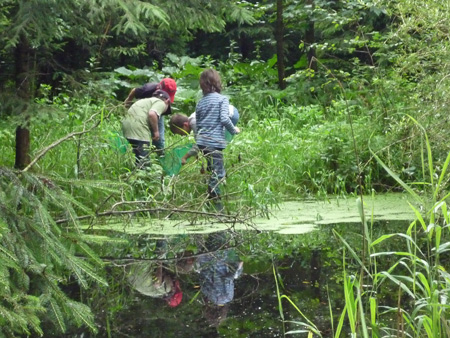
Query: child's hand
<point x="184" y="160"/>
<point x="237" y="130"/>
<point x="155" y="136"/>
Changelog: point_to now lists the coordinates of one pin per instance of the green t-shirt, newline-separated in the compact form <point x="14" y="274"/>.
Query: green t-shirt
<point x="136" y="125"/>
<point x="143" y="278"/>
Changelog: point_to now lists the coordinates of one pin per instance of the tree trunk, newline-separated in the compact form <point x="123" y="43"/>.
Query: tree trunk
<point x="23" y="83"/>
<point x="309" y="41"/>
<point x="279" y="36"/>
<point x="245" y="46"/>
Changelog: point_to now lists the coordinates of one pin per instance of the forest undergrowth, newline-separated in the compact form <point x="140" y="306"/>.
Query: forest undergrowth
<point x="346" y="128"/>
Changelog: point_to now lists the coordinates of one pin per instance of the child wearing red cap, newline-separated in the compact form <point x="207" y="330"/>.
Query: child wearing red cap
<point x="148" y="90"/>
<point x="167" y="84"/>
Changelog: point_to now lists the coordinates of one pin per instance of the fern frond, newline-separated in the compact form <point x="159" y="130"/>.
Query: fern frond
<point x="43" y="218"/>
<point x="33" y="244"/>
<point x="66" y="201"/>
<point x="14" y="320"/>
<point x="7" y="258"/>
<point x="4" y="279"/>
<point x="20" y="280"/>
<point x="242" y="16"/>
<point x="54" y="246"/>
<point x="31" y="309"/>
<point x="107" y="186"/>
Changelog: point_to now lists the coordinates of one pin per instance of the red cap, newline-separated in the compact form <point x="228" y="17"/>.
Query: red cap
<point x="169" y="85"/>
<point x="175" y="300"/>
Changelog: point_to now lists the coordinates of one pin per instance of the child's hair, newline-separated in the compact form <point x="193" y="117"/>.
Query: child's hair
<point x="210" y="81"/>
<point x="176" y="122"/>
<point x="161" y="94"/>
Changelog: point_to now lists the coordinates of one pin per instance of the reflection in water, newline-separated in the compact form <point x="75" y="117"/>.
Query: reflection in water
<point x="218" y="299"/>
<point x="156" y="280"/>
<point x="218" y="268"/>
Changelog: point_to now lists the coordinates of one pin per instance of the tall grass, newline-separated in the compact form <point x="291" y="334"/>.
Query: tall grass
<point x="418" y="274"/>
<point x="306" y="326"/>
<point x="410" y="267"/>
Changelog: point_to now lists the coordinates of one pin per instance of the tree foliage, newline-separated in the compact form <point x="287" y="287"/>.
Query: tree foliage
<point x="380" y="65"/>
<point x="38" y="256"/>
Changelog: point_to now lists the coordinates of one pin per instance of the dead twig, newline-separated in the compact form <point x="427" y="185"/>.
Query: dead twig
<point x="61" y="140"/>
<point x="132" y="212"/>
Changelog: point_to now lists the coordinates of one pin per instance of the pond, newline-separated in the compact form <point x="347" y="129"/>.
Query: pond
<point x="225" y="279"/>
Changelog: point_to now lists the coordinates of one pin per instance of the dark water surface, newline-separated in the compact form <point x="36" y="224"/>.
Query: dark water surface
<point x="220" y="280"/>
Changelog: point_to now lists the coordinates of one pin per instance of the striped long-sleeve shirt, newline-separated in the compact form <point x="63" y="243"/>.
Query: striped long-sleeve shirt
<point x="217" y="274"/>
<point x="212" y="116"/>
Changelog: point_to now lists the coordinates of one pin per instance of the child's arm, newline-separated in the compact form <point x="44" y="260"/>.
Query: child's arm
<point x="153" y="122"/>
<point x="129" y="100"/>
<point x="192" y="152"/>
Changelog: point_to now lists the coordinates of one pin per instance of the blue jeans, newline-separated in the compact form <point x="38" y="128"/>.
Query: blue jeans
<point x="141" y="152"/>
<point x="214" y="159"/>
<point x="235" y="117"/>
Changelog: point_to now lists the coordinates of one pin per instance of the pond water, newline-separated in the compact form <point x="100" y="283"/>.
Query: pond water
<point x="220" y="279"/>
<point x="290" y="217"/>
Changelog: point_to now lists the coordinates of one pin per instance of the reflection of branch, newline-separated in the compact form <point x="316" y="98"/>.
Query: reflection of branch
<point x="130" y="261"/>
<point x="128" y="212"/>
<point x="61" y="140"/>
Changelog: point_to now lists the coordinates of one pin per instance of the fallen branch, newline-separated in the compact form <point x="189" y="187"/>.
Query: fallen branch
<point x="57" y="142"/>
<point x="132" y="212"/>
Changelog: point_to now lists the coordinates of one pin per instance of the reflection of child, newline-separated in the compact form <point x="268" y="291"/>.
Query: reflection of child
<point x="218" y="269"/>
<point x="182" y="125"/>
<point x="217" y="275"/>
<point x="156" y="282"/>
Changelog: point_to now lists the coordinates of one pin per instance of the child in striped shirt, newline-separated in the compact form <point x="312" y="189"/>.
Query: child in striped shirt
<point x="212" y="118"/>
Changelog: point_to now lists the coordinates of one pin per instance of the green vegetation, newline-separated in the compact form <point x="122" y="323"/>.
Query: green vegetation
<point x="335" y="99"/>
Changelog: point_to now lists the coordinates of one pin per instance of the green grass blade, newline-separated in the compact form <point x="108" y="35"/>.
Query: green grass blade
<point x="310" y="324"/>
<point x="397" y="178"/>
<point x="441" y="177"/>
<point x="373" y="316"/>
<point x="280" y="305"/>
<point x="365" y="333"/>
<point x="353" y="253"/>
<point x="341" y="323"/>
